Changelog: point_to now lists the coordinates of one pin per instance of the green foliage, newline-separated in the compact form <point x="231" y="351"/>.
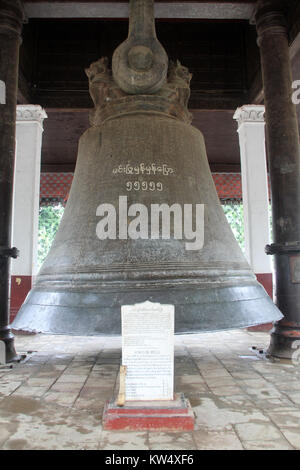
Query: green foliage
<point x="49" y="220"/>
<point x="235" y="217"/>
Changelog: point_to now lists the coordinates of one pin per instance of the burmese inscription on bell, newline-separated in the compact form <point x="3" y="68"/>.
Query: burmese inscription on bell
<point x="148" y="350"/>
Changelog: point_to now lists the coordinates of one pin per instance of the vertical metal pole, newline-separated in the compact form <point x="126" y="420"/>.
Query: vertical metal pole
<point x="11" y="19"/>
<point x="284" y="166"/>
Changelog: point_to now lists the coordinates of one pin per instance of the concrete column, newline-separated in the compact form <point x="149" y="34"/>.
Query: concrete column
<point x="284" y="166"/>
<point x="251" y="130"/>
<point x="11" y="20"/>
<point x="29" y="129"/>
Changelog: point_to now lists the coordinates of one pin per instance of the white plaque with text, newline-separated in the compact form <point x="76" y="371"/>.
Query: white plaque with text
<point x="148" y="350"/>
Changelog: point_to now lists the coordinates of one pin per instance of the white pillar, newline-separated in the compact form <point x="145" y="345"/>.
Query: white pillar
<point x="251" y="129"/>
<point x="29" y="129"/>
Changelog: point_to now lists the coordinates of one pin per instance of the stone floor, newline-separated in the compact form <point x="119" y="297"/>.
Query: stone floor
<point x="55" y="398"/>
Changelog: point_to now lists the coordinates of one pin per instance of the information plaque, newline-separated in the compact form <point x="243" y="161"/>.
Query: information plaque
<point x="148" y="351"/>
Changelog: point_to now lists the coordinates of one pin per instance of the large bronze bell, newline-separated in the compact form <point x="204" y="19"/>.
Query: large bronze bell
<point x="142" y="149"/>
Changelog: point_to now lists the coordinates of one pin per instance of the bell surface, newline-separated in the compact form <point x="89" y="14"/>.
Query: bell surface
<point x="141" y="149"/>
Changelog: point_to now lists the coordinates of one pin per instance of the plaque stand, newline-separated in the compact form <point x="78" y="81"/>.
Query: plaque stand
<point x="146" y="399"/>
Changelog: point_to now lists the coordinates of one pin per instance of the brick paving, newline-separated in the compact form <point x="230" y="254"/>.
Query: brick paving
<point x="241" y="399"/>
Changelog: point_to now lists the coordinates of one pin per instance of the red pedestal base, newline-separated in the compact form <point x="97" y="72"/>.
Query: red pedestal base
<point x="174" y="415"/>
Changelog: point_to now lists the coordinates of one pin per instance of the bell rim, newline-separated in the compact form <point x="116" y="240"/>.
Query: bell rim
<point x="229" y="308"/>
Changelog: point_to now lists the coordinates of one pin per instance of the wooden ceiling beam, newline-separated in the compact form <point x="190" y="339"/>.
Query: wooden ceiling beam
<point x="225" y="10"/>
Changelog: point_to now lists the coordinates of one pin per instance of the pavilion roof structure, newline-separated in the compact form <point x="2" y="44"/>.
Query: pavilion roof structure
<point x="216" y="40"/>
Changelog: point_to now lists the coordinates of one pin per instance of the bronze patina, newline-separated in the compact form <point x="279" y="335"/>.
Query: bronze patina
<point x="142" y="148"/>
